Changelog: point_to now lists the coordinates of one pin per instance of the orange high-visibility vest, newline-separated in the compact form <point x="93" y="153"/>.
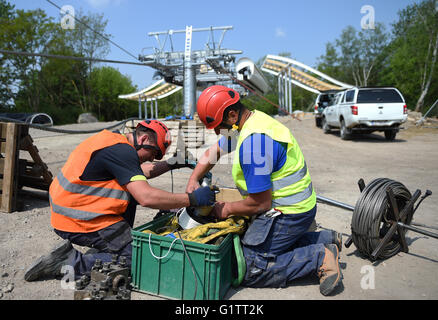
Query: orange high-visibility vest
<point x="87" y="206"/>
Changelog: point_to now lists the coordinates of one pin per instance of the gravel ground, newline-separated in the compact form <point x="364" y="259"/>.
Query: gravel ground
<point x="335" y="166"/>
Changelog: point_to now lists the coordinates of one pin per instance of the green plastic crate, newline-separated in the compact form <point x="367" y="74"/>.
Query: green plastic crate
<point x="160" y="265"/>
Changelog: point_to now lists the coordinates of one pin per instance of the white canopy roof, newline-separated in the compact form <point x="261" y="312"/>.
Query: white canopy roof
<point x="158" y="90"/>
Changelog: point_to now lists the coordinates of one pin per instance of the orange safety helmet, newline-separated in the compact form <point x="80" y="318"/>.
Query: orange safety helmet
<point x="212" y="103"/>
<point x="164" y="138"/>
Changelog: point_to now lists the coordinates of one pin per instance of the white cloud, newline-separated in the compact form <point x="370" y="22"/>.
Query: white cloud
<point x="279" y="32"/>
<point x="103" y="3"/>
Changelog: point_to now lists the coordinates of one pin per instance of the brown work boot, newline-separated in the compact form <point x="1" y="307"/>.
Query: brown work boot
<point x="50" y="265"/>
<point x="329" y="272"/>
<point x="337" y="239"/>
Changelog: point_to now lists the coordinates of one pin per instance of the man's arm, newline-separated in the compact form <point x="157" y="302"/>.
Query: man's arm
<point x="155" y="169"/>
<point x="148" y="196"/>
<point x="254" y="204"/>
<point x="205" y="164"/>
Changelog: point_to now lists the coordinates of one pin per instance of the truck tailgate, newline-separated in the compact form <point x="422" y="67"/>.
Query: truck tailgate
<point x="380" y="111"/>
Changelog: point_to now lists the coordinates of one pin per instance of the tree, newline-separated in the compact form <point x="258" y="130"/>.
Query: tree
<point x="108" y="83"/>
<point x="55" y="82"/>
<point x="372" y="44"/>
<point x="6" y="94"/>
<point x="88" y="39"/>
<point x="361" y="52"/>
<point x="61" y="88"/>
<point x="412" y="54"/>
<point x="27" y="31"/>
<point x="417" y="21"/>
<point x="329" y="63"/>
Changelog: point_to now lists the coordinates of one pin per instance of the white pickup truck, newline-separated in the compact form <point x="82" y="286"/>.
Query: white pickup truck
<point x="365" y="110"/>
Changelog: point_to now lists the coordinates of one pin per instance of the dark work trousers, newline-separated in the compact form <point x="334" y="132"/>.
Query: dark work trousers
<point x="279" y="249"/>
<point x="113" y="240"/>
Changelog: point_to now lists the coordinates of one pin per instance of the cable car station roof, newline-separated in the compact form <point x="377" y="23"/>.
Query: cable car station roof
<point x="301" y="74"/>
<point x="158" y="90"/>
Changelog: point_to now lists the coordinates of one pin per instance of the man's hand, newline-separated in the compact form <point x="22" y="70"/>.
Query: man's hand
<point x="219" y="211"/>
<point x="192" y="185"/>
<point x="202" y="197"/>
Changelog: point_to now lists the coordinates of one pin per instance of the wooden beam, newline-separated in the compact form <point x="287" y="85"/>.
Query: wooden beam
<point x="7" y="198"/>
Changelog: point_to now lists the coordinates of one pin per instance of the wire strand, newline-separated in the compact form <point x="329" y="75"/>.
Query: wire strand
<point x="44" y="128"/>
<point x="55" y="56"/>
<point x="96" y="32"/>
<point x="223" y="70"/>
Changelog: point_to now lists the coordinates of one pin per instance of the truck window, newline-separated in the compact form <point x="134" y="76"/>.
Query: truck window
<point x="378" y="96"/>
<point x="349" y="96"/>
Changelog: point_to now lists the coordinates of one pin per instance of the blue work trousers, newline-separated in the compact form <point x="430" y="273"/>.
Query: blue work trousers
<point x="279" y="249"/>
<point x="113" y="240"/>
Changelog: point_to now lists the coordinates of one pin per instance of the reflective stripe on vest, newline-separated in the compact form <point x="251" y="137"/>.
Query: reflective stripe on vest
<point x="290" y="179"/>
<point x="73" y="213"/>
<point x="292" y="190"/>
<point x="87" y="206"/>
<point x="294" y="198"/>
<point x="91" y="191"/>
<point x="284" y="182"/>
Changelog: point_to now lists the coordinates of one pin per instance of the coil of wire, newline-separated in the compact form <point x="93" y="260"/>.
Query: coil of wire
<point x="372" y="216"/>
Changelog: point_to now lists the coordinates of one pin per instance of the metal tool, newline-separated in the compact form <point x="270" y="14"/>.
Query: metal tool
<point x="107" y="281"/>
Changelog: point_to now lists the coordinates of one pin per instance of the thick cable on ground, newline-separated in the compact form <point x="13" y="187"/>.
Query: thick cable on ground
<point x="372" y="214"/>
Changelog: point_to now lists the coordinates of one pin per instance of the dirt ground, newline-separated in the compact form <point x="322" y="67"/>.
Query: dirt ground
<point x="335" y="166"/>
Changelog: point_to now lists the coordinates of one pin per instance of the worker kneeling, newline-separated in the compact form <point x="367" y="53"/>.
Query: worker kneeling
<point x="271" y="174"/>
<point x="93" y="199"/>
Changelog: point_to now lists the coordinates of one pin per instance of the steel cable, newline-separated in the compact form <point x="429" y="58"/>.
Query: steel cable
<point x="45" y="128"/>
<point x="372" y="216"/>
<point x="96" y="32"/>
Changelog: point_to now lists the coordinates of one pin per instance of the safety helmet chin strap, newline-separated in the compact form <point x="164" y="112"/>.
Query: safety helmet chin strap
<point x="142" y="146"/>
<point x="233" y="127"/>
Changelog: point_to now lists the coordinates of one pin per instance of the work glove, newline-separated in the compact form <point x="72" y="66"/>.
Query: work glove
<point x="204" y="196"/>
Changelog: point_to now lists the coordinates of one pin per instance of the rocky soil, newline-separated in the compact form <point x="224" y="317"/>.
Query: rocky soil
<point x="335" y="166"/>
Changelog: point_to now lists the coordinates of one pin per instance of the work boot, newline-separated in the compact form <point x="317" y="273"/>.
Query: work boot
<point x="329" y="273"/>
<point x="50" y="265"/>
<point x="337" y="239"/>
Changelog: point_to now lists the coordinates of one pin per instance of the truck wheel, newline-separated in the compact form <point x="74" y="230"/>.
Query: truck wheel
<point x="390" y="135"/>
<point x="345" y="133"/>
<point x="325" y="126"/>
<point x="318" y="122"/>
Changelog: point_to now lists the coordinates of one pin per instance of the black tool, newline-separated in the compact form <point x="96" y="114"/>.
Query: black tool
<point x="107" y="281"/>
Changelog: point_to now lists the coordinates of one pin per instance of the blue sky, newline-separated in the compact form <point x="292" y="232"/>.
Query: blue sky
<point x="259" y="27"/>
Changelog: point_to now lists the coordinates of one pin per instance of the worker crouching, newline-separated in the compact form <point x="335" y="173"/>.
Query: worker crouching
<point x="94" y="197"/>
<point x="270" y="172"/>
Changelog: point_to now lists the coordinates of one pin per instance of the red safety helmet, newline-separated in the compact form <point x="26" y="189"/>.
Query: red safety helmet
<point x="212" y="103"/>
<point x="164" y="138"/>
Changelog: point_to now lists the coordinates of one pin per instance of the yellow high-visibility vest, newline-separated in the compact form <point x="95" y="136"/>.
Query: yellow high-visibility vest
<point x="292" y="190"/>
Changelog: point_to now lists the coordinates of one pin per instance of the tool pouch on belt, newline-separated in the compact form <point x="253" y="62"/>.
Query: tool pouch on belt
<point x="258" y="231"/>
<point x="116" y="236"/>
<point x="256" y="250"/>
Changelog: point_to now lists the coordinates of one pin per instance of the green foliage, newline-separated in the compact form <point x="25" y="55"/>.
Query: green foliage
<point x="61" y="88"/>
<point x="406" y="58"/>
<point x="355" y="57"/>
<point x="56" y="85"/>
<point x="412" y="55"/>
<point x="106" y="83"/>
